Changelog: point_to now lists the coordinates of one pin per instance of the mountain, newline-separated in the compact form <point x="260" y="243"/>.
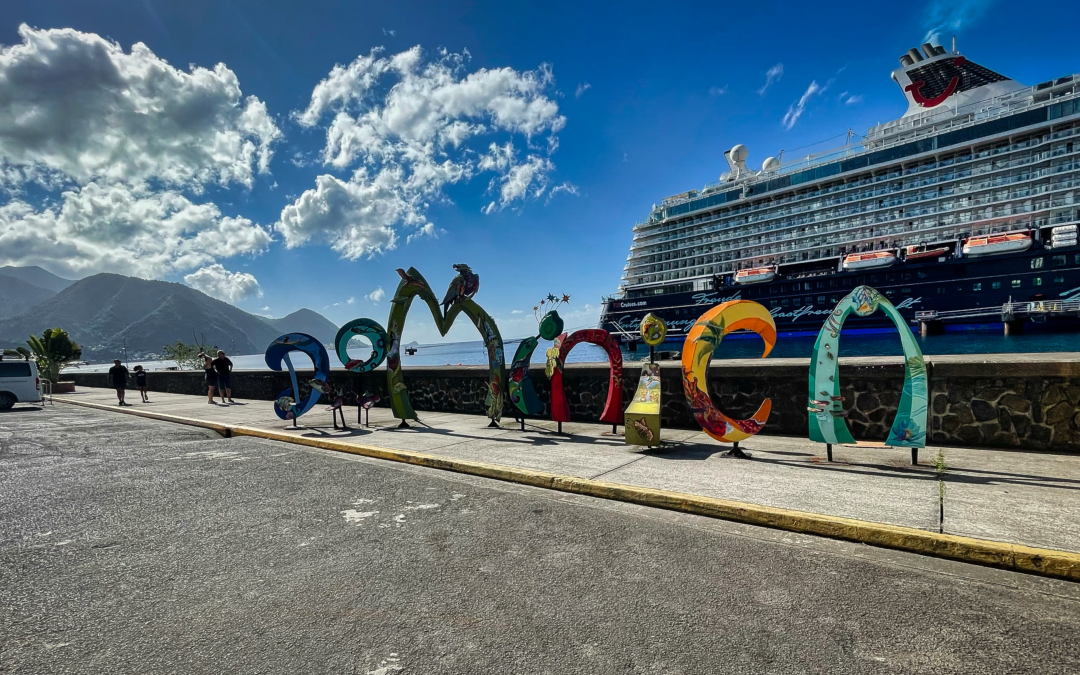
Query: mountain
<point x="310" y="322"/>
<point x="37" y="276"/>
<point x="106" y="311"/>
<point x="18" y="296"/>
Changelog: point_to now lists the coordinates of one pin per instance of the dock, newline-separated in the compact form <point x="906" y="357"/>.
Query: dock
<point x="1012" y="314"/>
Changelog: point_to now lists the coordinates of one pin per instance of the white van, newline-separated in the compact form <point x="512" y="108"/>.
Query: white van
<point x="19" y="383"/>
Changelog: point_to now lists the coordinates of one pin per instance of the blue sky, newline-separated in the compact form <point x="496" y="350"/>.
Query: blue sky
<point x="596" y="112"/>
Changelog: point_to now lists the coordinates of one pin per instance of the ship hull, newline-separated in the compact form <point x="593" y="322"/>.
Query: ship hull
<point x="800" y="306"/>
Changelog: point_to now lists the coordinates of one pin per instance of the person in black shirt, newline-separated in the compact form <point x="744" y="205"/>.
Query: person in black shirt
<point x="211" y="375"/>
<point x="118" y="375"/>
<point x="140" y="382"/>
<point x="223" y="367"/>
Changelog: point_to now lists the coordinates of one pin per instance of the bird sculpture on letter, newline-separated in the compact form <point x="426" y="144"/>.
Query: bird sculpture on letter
<point x="464" y="285"/>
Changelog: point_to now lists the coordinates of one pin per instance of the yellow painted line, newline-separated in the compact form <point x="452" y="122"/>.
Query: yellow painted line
<point x="1015" y="557"/>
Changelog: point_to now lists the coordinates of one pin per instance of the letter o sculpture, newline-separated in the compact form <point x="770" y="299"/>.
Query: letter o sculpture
<point x="701" y="341"/>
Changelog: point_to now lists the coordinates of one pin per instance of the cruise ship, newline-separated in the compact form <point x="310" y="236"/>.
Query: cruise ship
<point x="964" y="208"/>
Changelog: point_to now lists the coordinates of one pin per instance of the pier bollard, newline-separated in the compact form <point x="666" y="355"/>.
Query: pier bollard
<point x="914" y="456"/>
<point x="828" y="451"/>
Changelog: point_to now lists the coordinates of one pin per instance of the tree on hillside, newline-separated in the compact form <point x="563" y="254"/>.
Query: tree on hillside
<point x="52" y="351"/>
<point x="186" y="355"/>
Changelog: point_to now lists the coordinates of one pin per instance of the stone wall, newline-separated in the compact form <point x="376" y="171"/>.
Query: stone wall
<point x="1013" y="401"/>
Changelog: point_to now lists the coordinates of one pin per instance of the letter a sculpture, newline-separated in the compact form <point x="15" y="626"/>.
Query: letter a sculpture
<point x="826" y="418"/>
<point x="642" y="419"/>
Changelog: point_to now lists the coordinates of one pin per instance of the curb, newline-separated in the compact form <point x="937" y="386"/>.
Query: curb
<point x="1014" y="557"/>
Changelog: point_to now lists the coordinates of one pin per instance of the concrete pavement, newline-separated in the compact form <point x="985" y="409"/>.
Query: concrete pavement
<point x="999" y="495"/>
<point x="134" y="546"/>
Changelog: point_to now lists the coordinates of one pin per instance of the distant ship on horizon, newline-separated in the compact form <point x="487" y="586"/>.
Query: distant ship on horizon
<point x="965" y="205"/>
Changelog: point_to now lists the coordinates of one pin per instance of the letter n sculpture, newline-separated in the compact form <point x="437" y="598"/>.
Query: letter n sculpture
<point x="826" y="418"/>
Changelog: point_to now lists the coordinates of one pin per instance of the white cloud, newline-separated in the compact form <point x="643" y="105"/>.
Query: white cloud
<point x="427" y="231"/>
<point x="390" y="32"/>
<point x="407" y="123"/>
<point x="952" y="15"/>
<point x="718" y="91"/>
<point x="796" y="109"/>
<point x="771" y="75"/>
<point x="266" y="309"/>
<point x="852" y="99"/>
<point x="516" y="311"/>
<point x="376" y="295"/>
<point x="351" y="301"/>
<point x="123" y="229"/>
<point x="77" y="104"/>
<point x="218" y="282"/>
<point x="354" y="217"/>
<point x="582" y="88"/>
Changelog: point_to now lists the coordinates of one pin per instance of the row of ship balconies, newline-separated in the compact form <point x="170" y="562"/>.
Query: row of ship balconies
<point x="829" y="236"/>
<point x="941" y="202"/>
<point x="660" y="227"/>
<point x="990" y="226"/>
<point x="692" y="229"/>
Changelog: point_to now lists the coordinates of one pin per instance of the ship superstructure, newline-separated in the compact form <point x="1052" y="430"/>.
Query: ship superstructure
<point x="975" y="155"/>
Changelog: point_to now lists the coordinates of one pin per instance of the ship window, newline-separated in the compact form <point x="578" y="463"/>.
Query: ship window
<point x="1038" y="281"/>
<point x="891" y="292"/>
<point x="796" y="302"/>
<point x="1016" y="283"/>
<point x="821" y="299"/>
<point x="1058" y="260"/>
<point x="906" y="276"/>
<point x="784" y="288"/>
<point x="1059" y="279"/>
<point x="862" y="279"/>
<point x="772" y="290"/>
<point x="976" y="287"/>
<point x="890" y="277"/>
<point x="1076" y="259"/>
<point x="1036" y="263"/>
<point x="784" y="302"/>
<point x="995" y="286"/>
<point x="834" y="299"/>
<point x="832" y="283"/>
<point x="873" y="278"/>
<point x="923" y="275"/>
<point x="774" y="303"/>
<point x="809" y="300"/>
<point x="905" y="291"/>
<point x="806" y="286"/>
<point x="941" y="290"/>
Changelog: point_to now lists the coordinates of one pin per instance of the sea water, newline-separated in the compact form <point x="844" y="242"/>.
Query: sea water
<point x="473" y="353"/>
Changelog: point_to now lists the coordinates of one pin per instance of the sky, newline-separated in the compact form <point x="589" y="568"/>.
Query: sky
<point x="280" y="155"/>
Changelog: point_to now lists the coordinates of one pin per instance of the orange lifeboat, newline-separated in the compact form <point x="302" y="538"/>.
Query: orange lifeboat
<point x="755" y="275"/>
<point x="870" y="259"/>
<point x="992" y="244"/>
<point x="921" y="252"/>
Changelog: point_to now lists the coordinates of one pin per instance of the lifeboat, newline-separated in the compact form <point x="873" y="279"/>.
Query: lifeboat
<point x="919" y="252"/>
<point x="868" y="260"/>
<point x="756" y="275"/>
<point x="993" y="244"/>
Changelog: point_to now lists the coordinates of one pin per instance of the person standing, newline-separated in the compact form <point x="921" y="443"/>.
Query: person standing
<point x="118" y="375"/>
<point x="140" y="383"/>
<point x="223" y="367"/>
<point x="211" y="376"/>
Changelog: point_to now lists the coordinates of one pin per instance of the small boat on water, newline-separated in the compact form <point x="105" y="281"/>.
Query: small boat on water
<point x="755" y="275"/>
<point x="921" y="252"/>
<point x="868" y="260"/>
<point x="992" y="244"/>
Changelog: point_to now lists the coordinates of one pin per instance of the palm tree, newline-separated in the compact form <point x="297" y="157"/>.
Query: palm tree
<point x="52" y="351"/>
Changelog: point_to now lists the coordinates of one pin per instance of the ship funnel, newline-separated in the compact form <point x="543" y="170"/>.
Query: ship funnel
<point x="929" y="50"/>
<point x="906" y="61"/>
<point x="915" y="55"/>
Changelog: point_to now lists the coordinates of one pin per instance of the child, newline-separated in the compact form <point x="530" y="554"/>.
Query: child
<point x="140" y="382"/>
